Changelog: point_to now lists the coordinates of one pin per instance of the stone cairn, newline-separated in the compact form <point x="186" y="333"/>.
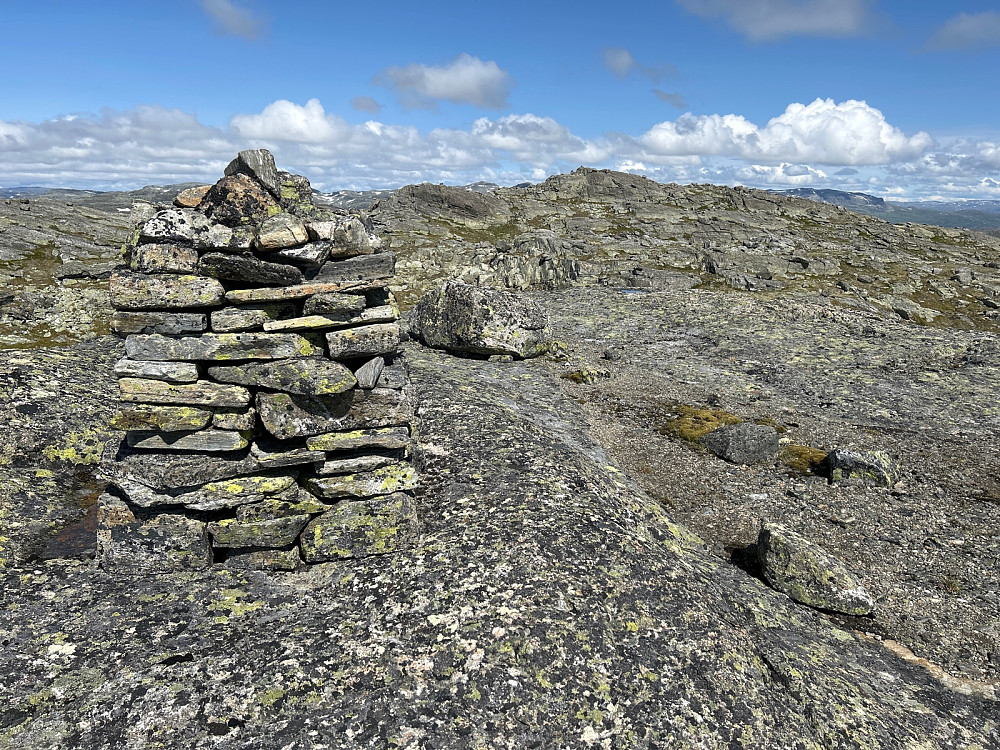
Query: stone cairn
<point x="262" y="394"/>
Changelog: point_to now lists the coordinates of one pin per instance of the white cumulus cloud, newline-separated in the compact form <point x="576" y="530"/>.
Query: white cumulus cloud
<point x="465" y="80"/>
<point x="968" y="31"/>
<point x="848" y="133"/>
<point x="773" y="19"/>
<point x="233" y="19"/>
<point x="286" y="121"/>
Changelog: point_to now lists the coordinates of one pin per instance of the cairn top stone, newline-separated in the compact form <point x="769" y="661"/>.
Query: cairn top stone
<point x="259" y="164"/>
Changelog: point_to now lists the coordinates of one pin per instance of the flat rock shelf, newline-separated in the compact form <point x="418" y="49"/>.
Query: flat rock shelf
<point x="262" y="396"/>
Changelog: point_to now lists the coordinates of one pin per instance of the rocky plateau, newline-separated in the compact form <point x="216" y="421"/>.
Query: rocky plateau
<point x="588" y="571"/>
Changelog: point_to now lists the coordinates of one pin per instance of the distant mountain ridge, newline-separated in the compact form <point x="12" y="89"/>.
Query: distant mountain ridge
<point x="973" y="214"/>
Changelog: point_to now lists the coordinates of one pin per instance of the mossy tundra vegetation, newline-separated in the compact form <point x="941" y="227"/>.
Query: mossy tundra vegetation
<point x="585" y="574"/>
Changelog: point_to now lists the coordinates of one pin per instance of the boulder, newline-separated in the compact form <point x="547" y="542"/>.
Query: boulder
<point x="797" y="567"/>
<point x="743" y="443"/>
<point x="191" y="197"/>
<point x="862" y="467"/>
<point x="248" y="269"/>
<point x="162" y="544"/>
<point x="259" y="165"/>
<point x="465" y="319"/>
<point x="281" y="231"/>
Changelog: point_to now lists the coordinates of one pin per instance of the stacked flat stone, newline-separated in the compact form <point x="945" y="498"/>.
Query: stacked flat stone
<point x="262" y="394"/>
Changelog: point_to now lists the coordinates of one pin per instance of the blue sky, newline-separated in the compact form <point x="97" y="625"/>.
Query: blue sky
<point x="898" y="99"/>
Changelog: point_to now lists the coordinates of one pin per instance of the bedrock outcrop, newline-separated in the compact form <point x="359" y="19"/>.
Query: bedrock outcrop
<point x="549" y="603"/>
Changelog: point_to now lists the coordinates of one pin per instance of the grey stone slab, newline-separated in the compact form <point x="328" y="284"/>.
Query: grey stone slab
<point x="395" y="477"/>
<point x="263" y="559"/>
<point x="208" y="441"/>
<point x="218" y="495"/>
<point x="393" y="376"/>
<point x="368" y="374"/>
<point x="275" y="455"/>
<point x="171" y="372"/>
<point x="288" y="416"/>
<point x="311" y="377"/>
<point x="333" y="304"/>
<point x="160" y="418"/>
<point x="136" y="291"/>
<point x="165" y="258"/>
<point x="166" y="543"/>
<point x="363" y="341"/>
<point x="220" y="347"/>
<point x="310" y="255"/>
<point x="202" y="393"/>
<point x="177" y="472"/>
<point x="248" y="269"/>
<point x="384" y="438"/>
<point x="278" y="507"/>
<point x="250" y="317"/>
<point x="355" y="464"/>
<point x="380" y="266"/>
<point x="234" y="419"/>
<point x="281" y="231"/>
<point x="275" y="532"/>
<point x="123" y="322"/>
<point x="259" y="164"/>
<point x="299" y="291"/>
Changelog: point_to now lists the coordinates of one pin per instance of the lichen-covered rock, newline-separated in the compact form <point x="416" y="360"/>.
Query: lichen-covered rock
<point x="171" y="372"/>
<point x="310" y="377"/>
<point x="206" y="441"/>
<point x="158" y="258"/>
<point x="277" y="454"/>
<point x="274" y="532"/>
<point x="396" y="477"/>
<point x="173" y="472"/>
<point x="288" y="416"/>
<point x="368" y="374"/>
<point x="263" y="559"/>
<point x="334" y="304"/>
<point x="218" y="347"/>
<point x="363" y="341"/>
<point x="165" y="543"/>
<point x="175" y="225"/>
<point x="799" y="568"/>
<point x="299" y="291"/>
<point x="864" y="467"/>
<point x="348" y="236"/>
<point x="360" y="528"/>
<point x="238" y="200"/>
<point x="259" y="165"/>
<point x="302" y="503"/>
<point x="124" y="322"/>
<point x="385" y="438"/>
<point x="281" y="231"/>
<point x="248" y="269"/>
<point x="160" y="418"/>
<point x="217" y="495"/>
<point x="310" y="255"/>
<point x="202" y="393"/>
<point x="466" y="319"/>
<point x="164" y="292"/>
<point x="250" y="317"/>
<point x="359" y="268"/>
<point x="743" y="443"/>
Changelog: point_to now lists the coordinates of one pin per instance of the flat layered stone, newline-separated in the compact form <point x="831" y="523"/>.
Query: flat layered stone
<point x="218" y="495"/>
<point x="288" y="416"/>
<point x="208" y="441"/>
<point x="385" y="438"/>
<point x="171" y="372"/>
<point x="380" y="266"/>
<point x="160" y="418"/>
<point x="310" y="255"/>
<point x="363" y="341"/>
<point x="368" y="374"/>
<point x="276" y="455"/>
<point x="263" y="559"/>
<point x="279" y="507"/>
<point x="276" y="532"/>
<point x="175" y="225"/>
<point x="360" y="528"/>
<point x="234" y="319"/>
<point x="202" y="393"/>
<point x="137" y="291"/>
<point x="396" y="477"/>
<point x="281" y="231"/>
<point x="335" y="304"/>
<point x="166" y="472"/>
<point x="220" y="347"/>
<point x="384" y="314"/>
<point x="234" y="419"/>
<point x="311" y="377"/>
<point x="248" y="269"/>
<point x="300" y="291"/>
<point x="164" y="544"/>
<point x="355" y="464"/>
<point x="160" y="258"/>
<point x="123" y="322"/>
<point x="348" y="235"/>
